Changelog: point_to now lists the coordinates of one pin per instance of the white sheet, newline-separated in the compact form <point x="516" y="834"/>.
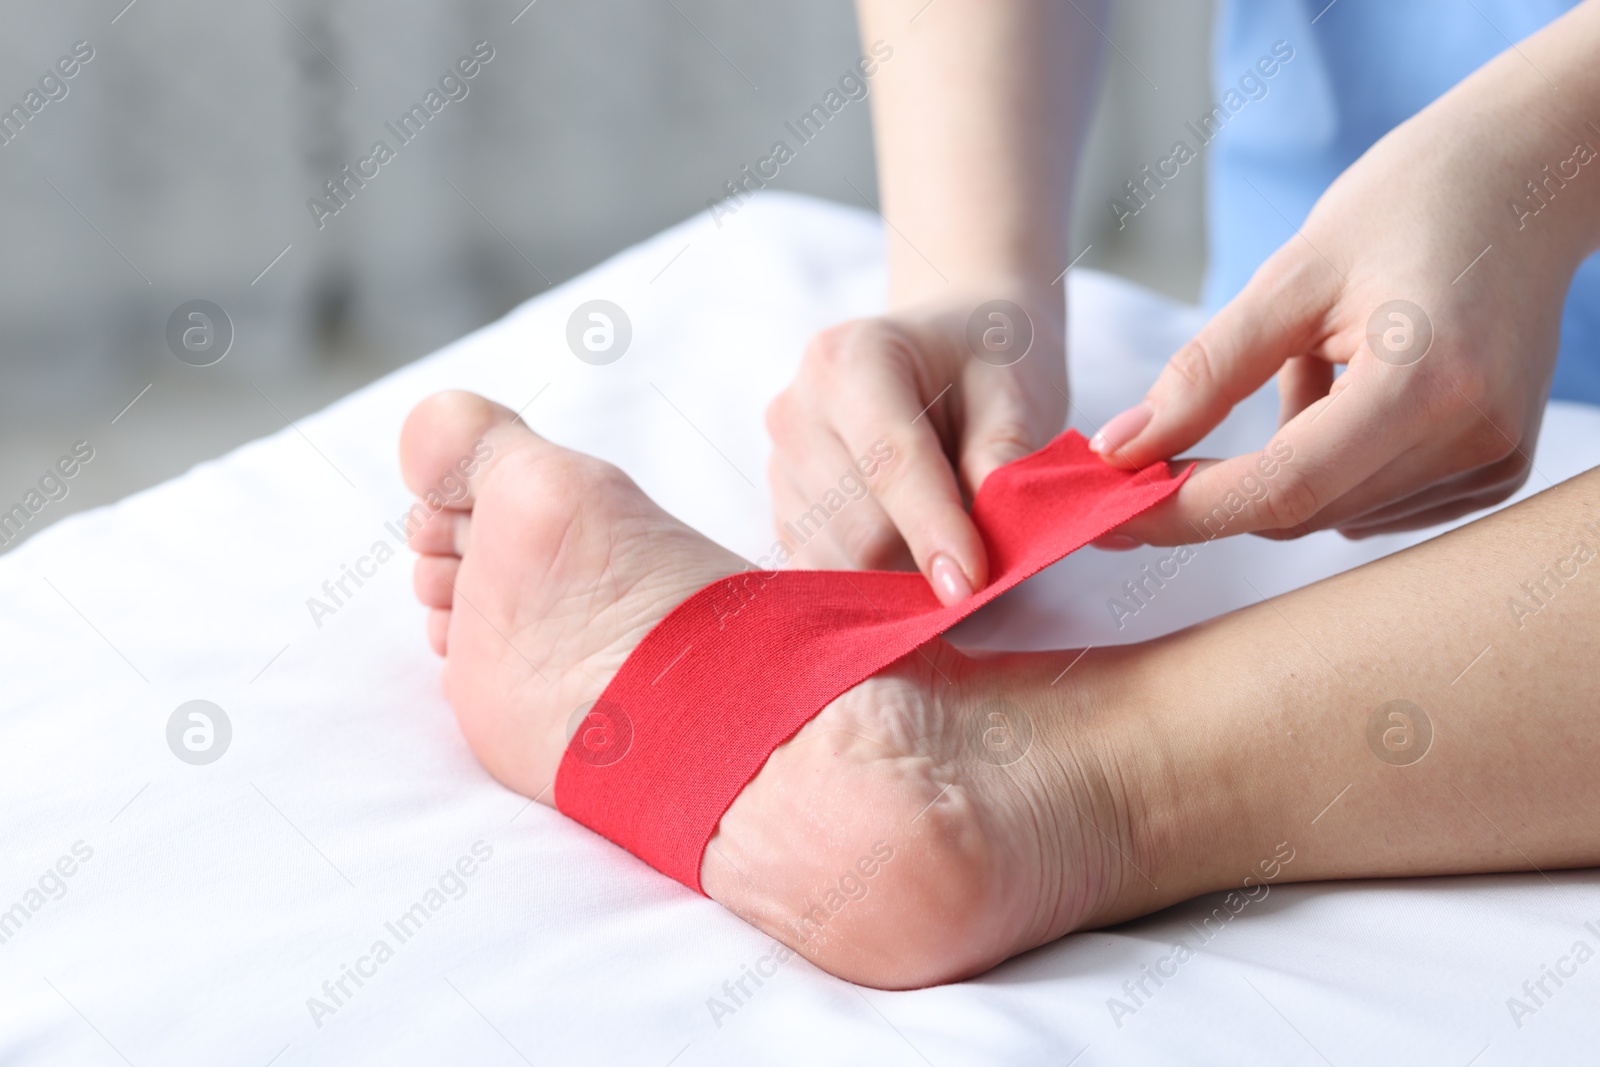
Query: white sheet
<point x="218" y="899"/>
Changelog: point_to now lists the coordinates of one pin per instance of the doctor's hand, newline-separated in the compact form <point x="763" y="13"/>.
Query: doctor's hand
<point x="1418" y="274"/>
<point x="893" y="421"/>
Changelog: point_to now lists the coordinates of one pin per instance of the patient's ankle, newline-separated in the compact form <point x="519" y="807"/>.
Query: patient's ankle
<point x="1182" y="753"/>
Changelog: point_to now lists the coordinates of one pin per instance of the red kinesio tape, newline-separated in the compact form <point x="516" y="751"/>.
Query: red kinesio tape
<point x="734" y="671"/>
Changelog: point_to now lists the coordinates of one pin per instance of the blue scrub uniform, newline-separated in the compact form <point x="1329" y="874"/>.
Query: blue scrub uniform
<point x="1355" y="70"/>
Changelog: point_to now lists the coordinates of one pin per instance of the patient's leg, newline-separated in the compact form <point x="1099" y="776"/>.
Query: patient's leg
<point x="1154" y="772"/>
<point x="1264" y="717"/>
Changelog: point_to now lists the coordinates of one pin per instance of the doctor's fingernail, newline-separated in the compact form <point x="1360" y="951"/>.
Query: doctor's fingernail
<point x="1122" y="429"/>
<point x="949" y="580"/>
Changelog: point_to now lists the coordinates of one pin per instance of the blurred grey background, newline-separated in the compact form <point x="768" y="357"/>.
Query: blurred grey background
<point x="178" y="163"/>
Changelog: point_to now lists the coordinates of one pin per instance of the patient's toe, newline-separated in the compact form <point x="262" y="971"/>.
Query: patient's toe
<point x="434" y="579"/>
<point x="445" y="533"/>
<point x="442" y="445"/>
<point x="439" y="629"/>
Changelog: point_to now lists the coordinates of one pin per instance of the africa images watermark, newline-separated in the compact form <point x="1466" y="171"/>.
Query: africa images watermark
<point x="51" y="885"/>
<point x="452" y="488"/>
<point x="1138" y="992"/>
<point x="740" y="589"/>
<point x="1399" y="732"/>
<point x="199" y="732"/>
<point x="1252" y="87"/>
<point x="1536" y="992"/>
<point x="199" y="333"/>
<point x="1541" y="193"/>
<point x="853" y="86"/>
<point x="450" y="886"/>
<point x="1539" y="591"/>
<point x="52" y="87"/>
<point x="1140" y="591"/>
<point x="850" y="887"/>
<point x="452" y="88"/>
<point x="52" y="486"/>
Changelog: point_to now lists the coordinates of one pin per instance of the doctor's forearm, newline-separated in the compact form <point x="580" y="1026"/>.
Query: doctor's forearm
<point x="1527" y="125"/>
<point x="980" y="117"/>
<point x="1566" y="51"/>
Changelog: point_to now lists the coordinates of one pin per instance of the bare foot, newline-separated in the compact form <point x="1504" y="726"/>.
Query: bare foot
<point x="928" y="824"/>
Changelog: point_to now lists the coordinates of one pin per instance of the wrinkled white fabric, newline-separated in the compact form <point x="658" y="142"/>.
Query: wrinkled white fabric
<point x="217" y="900"/>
